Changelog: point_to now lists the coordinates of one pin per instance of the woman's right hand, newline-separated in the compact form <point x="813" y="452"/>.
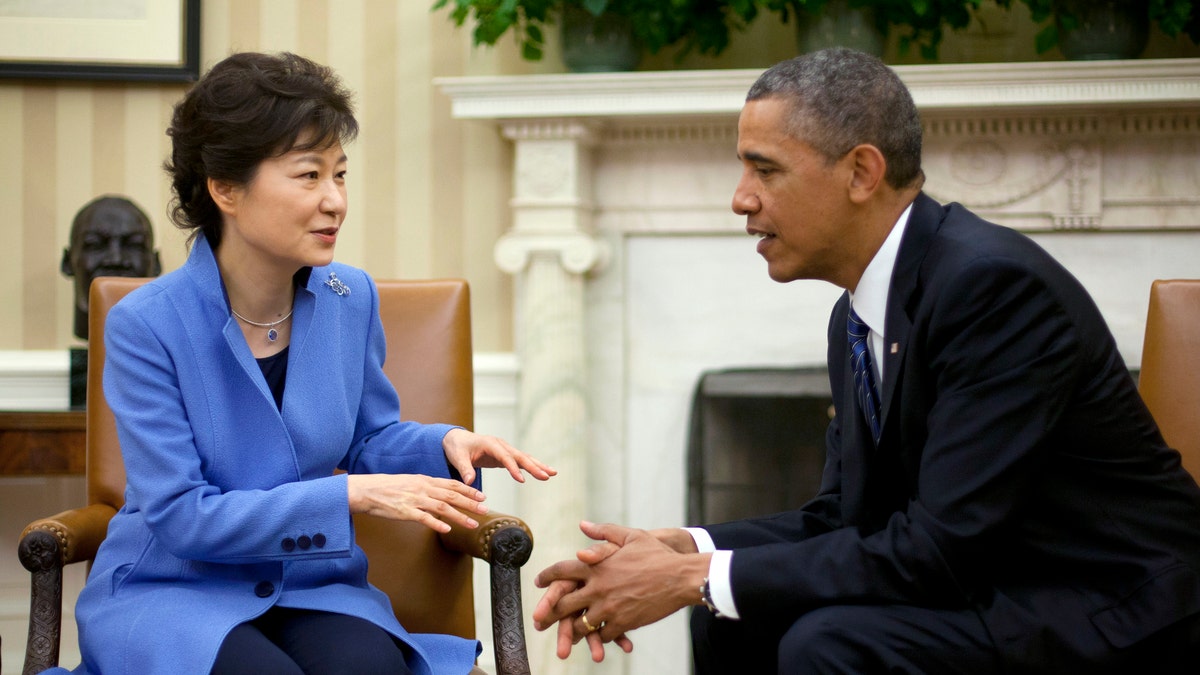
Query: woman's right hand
<point x="433" y="502"/>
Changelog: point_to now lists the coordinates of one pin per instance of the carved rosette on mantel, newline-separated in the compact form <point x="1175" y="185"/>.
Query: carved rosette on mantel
<point x="550" y="248"/>
<point x="1062" y="171"/>
<point x="1041" y="173"/>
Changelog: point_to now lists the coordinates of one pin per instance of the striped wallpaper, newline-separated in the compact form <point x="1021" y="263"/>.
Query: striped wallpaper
<point x="428" y="194"/>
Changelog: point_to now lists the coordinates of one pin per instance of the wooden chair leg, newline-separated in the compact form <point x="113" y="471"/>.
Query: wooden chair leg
<point x="510" y="549"/>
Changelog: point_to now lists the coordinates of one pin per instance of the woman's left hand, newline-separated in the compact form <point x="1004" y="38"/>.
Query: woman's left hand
<point x="466" y="450"/>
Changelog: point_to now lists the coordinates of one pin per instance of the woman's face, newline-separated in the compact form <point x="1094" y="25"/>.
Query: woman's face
<point x="289" y="214"/>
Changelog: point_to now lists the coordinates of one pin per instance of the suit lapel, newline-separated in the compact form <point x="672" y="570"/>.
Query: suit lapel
<point x="315" y="333"/>
<point x="923" y="223"/>
<point x="301" y="358"/>
<point x="214" y="303"/>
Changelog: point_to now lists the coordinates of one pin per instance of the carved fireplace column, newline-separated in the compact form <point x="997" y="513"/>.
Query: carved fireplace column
<point x="550" y="248"/>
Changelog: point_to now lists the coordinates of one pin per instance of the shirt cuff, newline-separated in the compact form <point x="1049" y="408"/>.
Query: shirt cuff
<point x="703" y="539"/>
<point x="718" y="572"/>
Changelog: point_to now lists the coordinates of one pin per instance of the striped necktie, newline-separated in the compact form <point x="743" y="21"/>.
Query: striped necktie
<point x="864" y="372"/>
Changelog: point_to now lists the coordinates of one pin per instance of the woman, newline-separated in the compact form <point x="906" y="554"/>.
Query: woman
<point x="239" y="383"/>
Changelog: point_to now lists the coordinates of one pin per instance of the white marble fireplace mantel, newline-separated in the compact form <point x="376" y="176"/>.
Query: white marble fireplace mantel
<point x="967" y="86"/>
<point x="634" y="277"/>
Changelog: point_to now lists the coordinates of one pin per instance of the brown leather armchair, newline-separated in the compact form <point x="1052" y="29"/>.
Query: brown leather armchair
<point x="1170" y="378"/>
<point x="427" y="576"/>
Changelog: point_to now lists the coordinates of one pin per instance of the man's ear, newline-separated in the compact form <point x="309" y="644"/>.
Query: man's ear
<point x="155" y="265"/>
<point x="222" y="193"/>
<point x="868" y="168"/>
<point x="66" y="263"/>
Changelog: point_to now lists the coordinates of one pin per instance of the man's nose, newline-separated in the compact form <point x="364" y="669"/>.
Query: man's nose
<point x="745" y="201"/>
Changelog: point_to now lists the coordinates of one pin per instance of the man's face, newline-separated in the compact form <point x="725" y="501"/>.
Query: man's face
<point x="793" y="199"/>
<point x="115" y="241"/>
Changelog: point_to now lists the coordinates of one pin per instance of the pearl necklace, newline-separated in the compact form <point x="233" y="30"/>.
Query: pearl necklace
<point x="272" y="334"/>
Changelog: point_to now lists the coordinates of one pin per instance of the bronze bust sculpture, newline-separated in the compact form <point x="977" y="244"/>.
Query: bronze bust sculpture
<point x="110" y="236"/>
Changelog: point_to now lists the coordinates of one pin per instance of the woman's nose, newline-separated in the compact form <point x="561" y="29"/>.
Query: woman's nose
<point x="335" y="199"/>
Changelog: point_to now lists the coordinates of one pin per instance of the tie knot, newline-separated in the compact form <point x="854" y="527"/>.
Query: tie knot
<point x="855" y="327"/>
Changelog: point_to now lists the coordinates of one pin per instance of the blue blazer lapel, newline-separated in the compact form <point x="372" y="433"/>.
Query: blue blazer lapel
<point x="214" y="305"/>
<point x="303" y="315"/>
<point x="329" y="339"/>
<point x="241" y="351"/>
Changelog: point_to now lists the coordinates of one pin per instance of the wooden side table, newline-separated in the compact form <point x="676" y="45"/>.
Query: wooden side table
<point x="42" y="442"/>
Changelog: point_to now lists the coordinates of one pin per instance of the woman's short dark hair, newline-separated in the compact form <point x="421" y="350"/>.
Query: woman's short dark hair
<point x="841" y="98"/>
<point x="248" y="108"/>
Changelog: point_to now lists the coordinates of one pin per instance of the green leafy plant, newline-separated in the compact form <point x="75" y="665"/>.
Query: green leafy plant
<point x="701" y="25"/>
<point x="920" y="23"/>
<point x="706" y="26"/>
<point x="1171" y="16"/>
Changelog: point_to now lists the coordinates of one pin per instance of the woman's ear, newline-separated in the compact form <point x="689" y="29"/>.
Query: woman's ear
<point x="223" y="194"/>
<point x="868" y="171"/>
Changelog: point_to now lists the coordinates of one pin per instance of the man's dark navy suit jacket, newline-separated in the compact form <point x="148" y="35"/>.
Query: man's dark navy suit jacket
<point x="1018" y="473"/>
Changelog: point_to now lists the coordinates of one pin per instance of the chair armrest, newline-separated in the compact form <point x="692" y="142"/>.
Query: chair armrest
<point x="506" y="543"/>
<point x="481" y="541"/>
<point x="48" y="545"/>
<point x="78" y="534"/>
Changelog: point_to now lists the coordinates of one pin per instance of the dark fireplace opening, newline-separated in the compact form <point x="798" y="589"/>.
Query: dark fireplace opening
<point x="757" y="441"/>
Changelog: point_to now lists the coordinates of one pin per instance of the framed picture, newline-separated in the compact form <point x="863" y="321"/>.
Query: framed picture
<point x="130" y="40"/>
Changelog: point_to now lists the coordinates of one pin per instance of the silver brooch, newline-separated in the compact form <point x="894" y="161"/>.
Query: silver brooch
<point x="337" y="285"/>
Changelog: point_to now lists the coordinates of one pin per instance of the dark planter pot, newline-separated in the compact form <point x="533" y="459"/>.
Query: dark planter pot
<point x="839" y="25"/>
<point x="598" y="44"/>
<point x="1102" y="29"/>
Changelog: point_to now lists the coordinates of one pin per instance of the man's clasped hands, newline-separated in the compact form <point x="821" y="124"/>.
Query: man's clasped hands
<point x="629" y="578"/>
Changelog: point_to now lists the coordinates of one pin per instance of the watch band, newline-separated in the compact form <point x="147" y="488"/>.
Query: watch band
<point x="706" y="598"/>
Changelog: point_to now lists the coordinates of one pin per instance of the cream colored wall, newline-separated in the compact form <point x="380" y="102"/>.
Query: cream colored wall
<point x="428" y="194"/>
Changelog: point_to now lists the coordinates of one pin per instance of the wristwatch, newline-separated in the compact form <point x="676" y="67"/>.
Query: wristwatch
<point x="706" y="597"/>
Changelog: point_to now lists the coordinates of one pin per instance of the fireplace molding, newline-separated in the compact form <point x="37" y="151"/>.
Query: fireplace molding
<point x="1024" y="144"/>
<point x="1146" y="83"/>
<point x="633" y="275"/>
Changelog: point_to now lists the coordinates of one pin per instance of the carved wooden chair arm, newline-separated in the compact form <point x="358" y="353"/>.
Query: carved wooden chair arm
<point x="506" y="543"/>
<point x="78" y="531"/>
<point x="48" y="545"/>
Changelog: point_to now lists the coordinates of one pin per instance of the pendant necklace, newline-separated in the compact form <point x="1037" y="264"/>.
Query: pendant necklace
<point x="272" y="334"/>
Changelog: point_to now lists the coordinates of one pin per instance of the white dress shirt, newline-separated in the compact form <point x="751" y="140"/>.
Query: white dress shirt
<point x="869" y="300"/>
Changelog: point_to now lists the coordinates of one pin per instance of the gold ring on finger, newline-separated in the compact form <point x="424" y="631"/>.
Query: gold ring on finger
<point x="590" y="628"/>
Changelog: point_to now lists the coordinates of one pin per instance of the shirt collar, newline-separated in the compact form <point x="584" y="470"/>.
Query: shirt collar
<point x="870" y="298"/>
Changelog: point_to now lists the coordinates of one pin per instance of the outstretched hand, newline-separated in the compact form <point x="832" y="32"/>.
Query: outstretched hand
<point x="434" y="502"/>
<point x="466" y="450"/>
<point x="630" y="578"/>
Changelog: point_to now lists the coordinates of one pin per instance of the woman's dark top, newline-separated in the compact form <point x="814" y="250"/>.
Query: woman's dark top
<point x="274" y="368"/>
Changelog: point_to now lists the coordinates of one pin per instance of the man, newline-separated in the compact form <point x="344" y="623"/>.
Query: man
<point x="996" y="497"/>
<point x="111" y="237"/>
